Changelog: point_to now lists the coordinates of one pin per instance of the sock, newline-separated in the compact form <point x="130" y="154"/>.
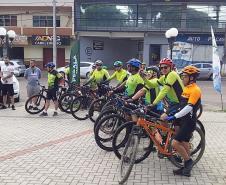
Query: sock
<point x="45" y="111"/>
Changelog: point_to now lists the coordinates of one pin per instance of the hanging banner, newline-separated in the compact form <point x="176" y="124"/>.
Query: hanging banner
<point x="75" y="63"/>
<point x="182" y="54"/>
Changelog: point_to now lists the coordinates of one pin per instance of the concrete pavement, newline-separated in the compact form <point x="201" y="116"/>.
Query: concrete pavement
<point x="61" y="150"/>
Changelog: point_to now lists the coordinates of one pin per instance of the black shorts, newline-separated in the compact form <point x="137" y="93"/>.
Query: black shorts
<point x="52" y="94"/>
<point x="187" y="127"/>
<point x="7" y="89"/>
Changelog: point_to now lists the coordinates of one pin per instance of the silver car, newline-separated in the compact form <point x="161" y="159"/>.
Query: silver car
<point x="206" y="70"/>
<point x="19" y="67"/>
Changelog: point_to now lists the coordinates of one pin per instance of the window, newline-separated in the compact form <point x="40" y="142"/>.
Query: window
<point x="207" y="66"/>
<point x="84" y="64"/>
<point x="45" y="21"/>
<point x="198" y="65"/>
<point x="8" y="20"/>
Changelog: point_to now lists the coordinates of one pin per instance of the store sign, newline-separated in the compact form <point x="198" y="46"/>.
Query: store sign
<point x="98" y="45"/>
<point x="20" y="40"/>
<point x="200" y="39"/>
<point x="47" y="40"/>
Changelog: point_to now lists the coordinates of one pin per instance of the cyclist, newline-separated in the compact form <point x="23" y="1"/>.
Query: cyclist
<point x="54" y="78"/>
<point x="152" y="73"/>
<point x="134" y="82"/>
<point x="172" y="86"/>
<point x="99" y="74"/>
<point x="120" y="74"/>
<point x="189" y="102"/>
<point x="143" y="66"/>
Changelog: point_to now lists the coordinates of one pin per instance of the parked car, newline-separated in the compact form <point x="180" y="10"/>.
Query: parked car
<point x="206" y="70"/>
<point x="19" y="67"/>
<point x="16" y="86"/>
<point x="85" y="68"/>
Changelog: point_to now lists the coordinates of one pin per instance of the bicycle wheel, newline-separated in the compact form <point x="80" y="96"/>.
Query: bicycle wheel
<point x="121" y="136"/>
<point x="105" y="130"/>
<point x="197" y="148"/>
<point x="79" y="107"/>
<point x="199" y="111"/>
<point x="95" y="109"/>
<point x="128" y="158"/>
<point x="65" y="102"/>
<point x="102" y="115"/>
<point x="40" y="101"/>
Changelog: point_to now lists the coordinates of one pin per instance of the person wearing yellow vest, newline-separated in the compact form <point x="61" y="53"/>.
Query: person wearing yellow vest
<point x="120" y="74"/>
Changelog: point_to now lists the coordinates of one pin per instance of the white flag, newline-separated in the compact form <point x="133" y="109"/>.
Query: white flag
<point x="216" y="65"/>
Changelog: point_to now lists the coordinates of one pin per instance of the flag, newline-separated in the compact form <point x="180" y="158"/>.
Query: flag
<point x="216" y="64"/>
<point x="75" y="63"/>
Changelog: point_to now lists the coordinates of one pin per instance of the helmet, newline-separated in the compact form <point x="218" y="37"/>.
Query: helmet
<point x="191" y="70"/>
<point x="134" y="62"/>
<point x="166" y="61"/>
<point x="153" y="68"/>
<point x="50" y="65"/>
<point x="99" y="62"/>
<point x="118" y="63"/>
<point x="105" y="67"/>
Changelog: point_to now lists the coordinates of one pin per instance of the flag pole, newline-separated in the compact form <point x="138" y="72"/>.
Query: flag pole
<point x="222" y="104"/>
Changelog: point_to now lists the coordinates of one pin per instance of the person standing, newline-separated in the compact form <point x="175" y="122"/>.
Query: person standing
<point x="32" y="75"/>
<point x="7" y="83"/>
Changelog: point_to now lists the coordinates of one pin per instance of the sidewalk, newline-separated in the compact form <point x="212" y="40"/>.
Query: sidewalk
<point x="62" y="150"/>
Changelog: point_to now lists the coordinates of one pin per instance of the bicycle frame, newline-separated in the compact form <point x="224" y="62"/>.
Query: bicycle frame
<point x="147" y="124"/>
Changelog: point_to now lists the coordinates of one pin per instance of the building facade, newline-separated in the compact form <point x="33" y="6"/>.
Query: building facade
<point x="122" y="29"/>
<point x="33" y="24"/>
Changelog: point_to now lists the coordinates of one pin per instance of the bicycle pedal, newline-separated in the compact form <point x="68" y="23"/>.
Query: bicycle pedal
<point x="161" y="156"/>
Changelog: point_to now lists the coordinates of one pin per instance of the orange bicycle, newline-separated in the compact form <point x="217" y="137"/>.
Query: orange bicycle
<point x="133" y="142"/>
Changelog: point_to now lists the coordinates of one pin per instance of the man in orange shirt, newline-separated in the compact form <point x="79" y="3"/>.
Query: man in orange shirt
<point x="189" y="103"/>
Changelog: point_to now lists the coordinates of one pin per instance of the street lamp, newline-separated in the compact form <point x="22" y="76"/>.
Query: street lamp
<point x="171" y="35"/>
<point x="6" y="39"/>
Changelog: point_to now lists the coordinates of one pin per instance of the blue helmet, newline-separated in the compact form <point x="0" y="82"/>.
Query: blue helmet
<point x="134" y="62"/>
<point x="50" y="65"/>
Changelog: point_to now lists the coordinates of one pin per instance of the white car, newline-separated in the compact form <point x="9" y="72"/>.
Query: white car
<point x="85" y="68"/>
<point x="16" y="85"/>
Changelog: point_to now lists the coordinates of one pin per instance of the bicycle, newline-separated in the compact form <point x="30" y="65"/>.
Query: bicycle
<point x="40" y="100"/>
<point x="145" y="126"/>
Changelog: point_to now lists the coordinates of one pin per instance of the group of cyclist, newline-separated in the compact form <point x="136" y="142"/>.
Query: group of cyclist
<point x="154" y="84"/>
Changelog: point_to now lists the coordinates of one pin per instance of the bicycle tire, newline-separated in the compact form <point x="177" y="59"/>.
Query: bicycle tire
<point x="117" y="146"/>
<point x="102" y="115"/>
<point x="199" y="111"/>
<point x="80" y="103"/>
<point x="38" y="103"/>
<point x="69" y="97"/>
<point x="108" y="129"/>
<point x="96" y="104"/>
<point x="195" y="161"/>
<point x="134" y="141"/>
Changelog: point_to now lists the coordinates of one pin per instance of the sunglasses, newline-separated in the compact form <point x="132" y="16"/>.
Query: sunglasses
<point x="164" y="67"/>
<point x="98" y="65"/>
<point x="183" y="76"/>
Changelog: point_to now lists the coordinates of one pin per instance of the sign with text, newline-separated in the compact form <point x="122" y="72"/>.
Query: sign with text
<point x="200" y="39"/>
<point x="98" y="45"/>
<point x="47" y="40"/>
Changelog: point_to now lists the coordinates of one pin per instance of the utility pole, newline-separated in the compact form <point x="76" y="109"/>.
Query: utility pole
<point x="54" y="34"/>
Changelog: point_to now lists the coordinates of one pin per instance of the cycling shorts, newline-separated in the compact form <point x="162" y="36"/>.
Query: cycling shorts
<point x="52" y="94"/>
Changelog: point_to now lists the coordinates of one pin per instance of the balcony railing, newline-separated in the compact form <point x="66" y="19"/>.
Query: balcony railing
<point x="146" y="25"/>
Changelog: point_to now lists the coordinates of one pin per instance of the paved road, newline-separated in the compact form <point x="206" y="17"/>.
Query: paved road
<point x="62" y="151"/>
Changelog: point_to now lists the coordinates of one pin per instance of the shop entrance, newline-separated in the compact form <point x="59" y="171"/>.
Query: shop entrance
<point x="48" y="56"/>
<point x="154" y="51"/>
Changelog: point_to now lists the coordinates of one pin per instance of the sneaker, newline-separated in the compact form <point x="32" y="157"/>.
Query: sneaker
<point x="43" y="114"/>
<point x="35" y="108"/>
<point x="4" y="107"/>
<point x="178" y="171"/>
<point x="30" y="107"/>
<point x="13" y="107"/>
<point x="55" y="114"/>
<point x="187" y="168"/>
